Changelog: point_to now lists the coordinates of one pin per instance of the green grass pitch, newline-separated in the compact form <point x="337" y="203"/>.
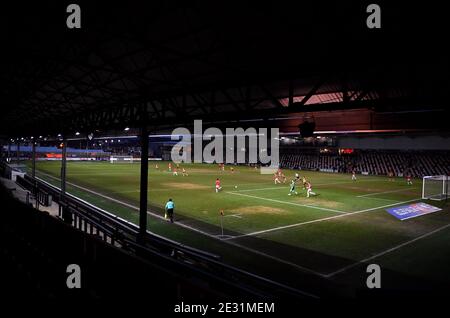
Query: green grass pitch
<point x="325" y="235"/>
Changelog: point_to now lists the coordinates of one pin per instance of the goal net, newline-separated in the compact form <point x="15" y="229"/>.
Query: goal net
<point x="121" y="159"/>
<point x="435" y="187"/>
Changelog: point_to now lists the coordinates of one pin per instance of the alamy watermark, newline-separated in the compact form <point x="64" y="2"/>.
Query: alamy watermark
<point x="373" y="20"/>
<point x="74" y="278"/>
<point x="374" y="279"/>
<point x="73" y="20"/>
<point x="235" y="146"/>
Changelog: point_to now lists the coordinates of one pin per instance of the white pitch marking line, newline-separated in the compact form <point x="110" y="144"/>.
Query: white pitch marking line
<point x="131" y="206"/>
<point x="260" y="189"/>
<point x="317" y="220"/>
<point x="376" y="193"/>
<point x="281" y="186"/>
<point x="381" y="199"/>
<point x="386" y="206"/>
<point x="137" y="191"/>
<point x="305" y="269"/>
<point x="290" y="203"/>
<point x="99" y="173"/>
<point x="237" y="215"/>
<point x="387" y="251"/>
<point x="220" y="236"/>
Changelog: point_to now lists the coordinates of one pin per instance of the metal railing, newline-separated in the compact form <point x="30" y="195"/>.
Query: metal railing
<point x="124" y="234"/>
<point x="41" y="196"/>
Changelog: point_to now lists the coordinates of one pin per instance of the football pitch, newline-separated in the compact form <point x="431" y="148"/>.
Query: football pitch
<point x="329" y="236"/>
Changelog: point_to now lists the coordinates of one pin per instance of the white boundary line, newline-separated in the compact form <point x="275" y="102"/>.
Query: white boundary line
<point x="386" y="206"/>
<point x="286" y="185"/>
<point x="376" y="193"/>
<point x="237" y="215"/>
<point x="128" y="205"/>
<point x="380" y="199"/>
<point x="287" y="202"/>
<point x="262" y="189"/>
<point x="305" y="269"/>
<point x="317" y="220"/>
<point x="387" y="251"/>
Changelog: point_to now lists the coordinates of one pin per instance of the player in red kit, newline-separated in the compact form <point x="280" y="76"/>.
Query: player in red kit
<point x="353" y="175"/>
<point x="391" y="176"/>
<point x="218" y="186"/>
<point x="309" y="191"/>
<point x="408" y="179"/>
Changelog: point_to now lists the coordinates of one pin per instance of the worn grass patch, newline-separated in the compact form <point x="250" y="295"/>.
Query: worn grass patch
<point x="258" y="209"/>
<point x="186" y="186"/>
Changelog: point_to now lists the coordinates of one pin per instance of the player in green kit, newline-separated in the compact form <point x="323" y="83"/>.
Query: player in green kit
<point x="292" y="188"/>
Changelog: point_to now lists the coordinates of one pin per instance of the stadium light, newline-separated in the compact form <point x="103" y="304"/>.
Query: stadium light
<point x="127" y="128"/>
<point x="77" y="133"/>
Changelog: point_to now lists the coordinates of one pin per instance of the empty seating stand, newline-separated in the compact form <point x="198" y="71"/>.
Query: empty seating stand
<point x="415" y="163"/>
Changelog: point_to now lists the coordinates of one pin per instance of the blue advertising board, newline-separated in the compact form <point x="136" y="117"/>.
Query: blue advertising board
<point x="413" y="210"/>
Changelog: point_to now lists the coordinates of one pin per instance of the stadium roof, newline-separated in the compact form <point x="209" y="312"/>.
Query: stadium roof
<point x="166" y="63"/>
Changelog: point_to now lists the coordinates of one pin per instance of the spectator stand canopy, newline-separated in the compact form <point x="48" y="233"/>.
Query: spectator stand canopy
<point x="162" y="65"/>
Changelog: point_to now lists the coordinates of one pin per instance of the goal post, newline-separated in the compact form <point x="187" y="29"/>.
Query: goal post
<point x="121" y="159"/>
<point x="435" y="187"/>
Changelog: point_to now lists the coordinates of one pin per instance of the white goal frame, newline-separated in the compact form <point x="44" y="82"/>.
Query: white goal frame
<point x="442" y="193"/>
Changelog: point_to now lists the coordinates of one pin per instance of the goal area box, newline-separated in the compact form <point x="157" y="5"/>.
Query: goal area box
<point x="435" y="187"/>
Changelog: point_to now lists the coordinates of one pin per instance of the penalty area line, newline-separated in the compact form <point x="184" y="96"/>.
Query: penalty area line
<point x="284" y="185"/>
<point x="392" y="191"/>
<point x="317" y="220"/>
<point x="379" y="199"/>
<point x="289" y="203"/>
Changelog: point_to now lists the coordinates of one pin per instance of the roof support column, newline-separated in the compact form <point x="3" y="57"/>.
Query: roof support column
<point x="291" y="92"/>
<point x="18" y="152"/>
<point x="8" y="158"/>
<point x="144" y="184"/>
<point x="63" y="211"/>
<point x="63" y="169"/>
<point x="33" y="160"/>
